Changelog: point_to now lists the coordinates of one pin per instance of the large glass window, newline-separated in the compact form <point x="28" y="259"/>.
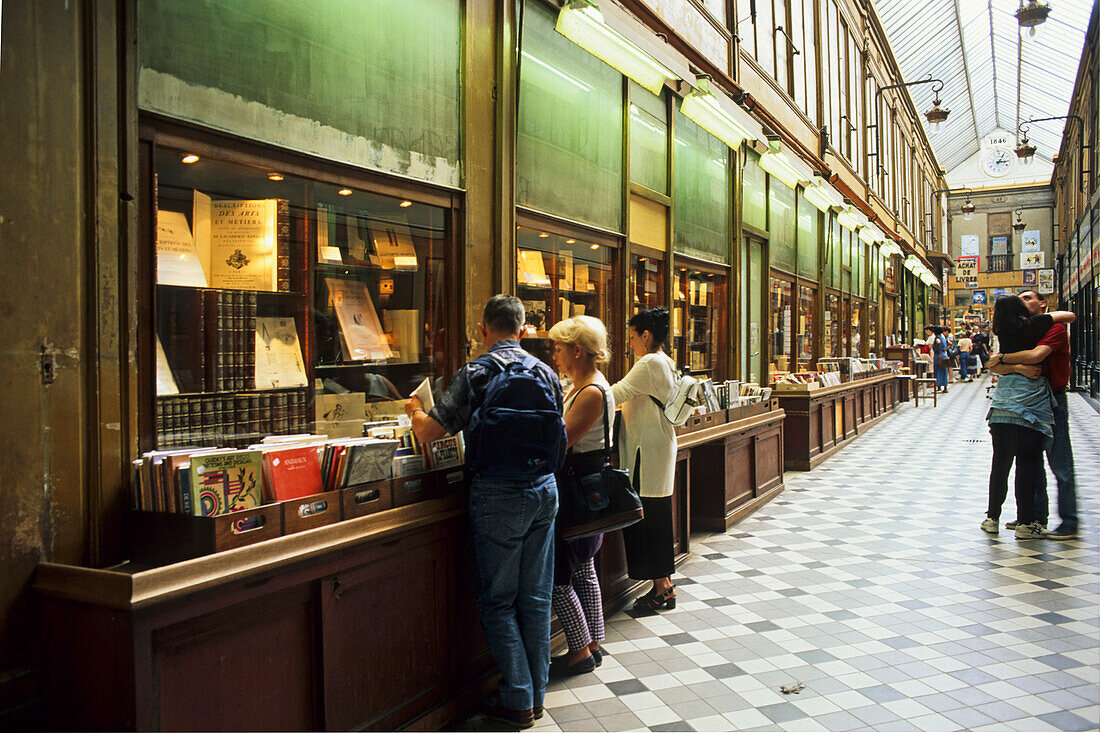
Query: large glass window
<point x="752" y="295"/>
<point x="781" y="325"/>
<point x="699" y="322"/>
<point x="805" y="333"/>
<point x="807" y="239"/>
<point x="701" y="193"/>
<point x="782" y="226"/>
<point x="569" y="160"/>
<point x="332" y="78"/>
<point x="754" y="193"/>
<point x="830" y="319"/>
<point x="559" y="276"/>
<point x="648" y="139"/>
<point x="857" y="327"/>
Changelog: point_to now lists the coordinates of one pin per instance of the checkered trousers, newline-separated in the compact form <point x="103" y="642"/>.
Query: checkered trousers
<point x="579" y="606"/>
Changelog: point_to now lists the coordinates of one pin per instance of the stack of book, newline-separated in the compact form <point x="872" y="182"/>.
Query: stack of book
<point x="235" y="339"/>
<point x="232" y="420"/>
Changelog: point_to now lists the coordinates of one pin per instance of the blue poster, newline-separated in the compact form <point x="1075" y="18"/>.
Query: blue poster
<point x="979" y="297"/>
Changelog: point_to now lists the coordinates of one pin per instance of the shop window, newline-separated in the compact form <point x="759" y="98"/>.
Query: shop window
<point x="647" y="282"/>
<point x="699" y="322"/>
<point x="751" y="298"/>
<point x="833" y="328"/>
<point x="807" y="239"/>
<point x="333" y="78"/>
<point x="701" y="191"/>
<point x="648" y="139"/>
<point x="781" y="321"/>
<point x="805" y="332"/>
<point x="857" y="327"/>
<point x="269" y="284"/>
<point x="782" y="227"/>
<point x="832" y="265"/>
<point x="559" y="276"/>
<point x="754" y="193"/>
<point x="569" y="158"/>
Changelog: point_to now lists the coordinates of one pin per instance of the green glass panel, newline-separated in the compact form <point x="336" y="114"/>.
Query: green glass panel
<point x="648" y="139"/>
<point x="700" y="193"/>
<point x="833" y="264"/>
<point x="350" y="80"/>
<point x="846" y="238"/>
<point x="807" y="239"/>
<point x="569" y="160"/>
<point x="756" y="295"/>
<point x="782" y="226"/>
<point x="754" y="192"/>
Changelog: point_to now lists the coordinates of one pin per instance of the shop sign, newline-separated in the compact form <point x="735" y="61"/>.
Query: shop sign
<point x="966" y="271"/>
<point x="1045" y="281"/>
<point x="979" y="297"/>
<point x="1032" y="260"/>
<point x="1031" y="241"/>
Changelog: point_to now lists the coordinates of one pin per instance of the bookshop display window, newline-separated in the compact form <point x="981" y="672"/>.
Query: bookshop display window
<point x="845" y="321"/>
<point x="647" y="282"/>
<point x="701" y="190"/>
<point x="872" y="329"/>
<point x="833" y="331"/>
<point x="857" y="327"/>
<point x="781" y="322"/>
<point x="808" y="227"/>
<point x="805" y="332"/>
<point x="751" y="299"/>
<point x="699" y="321"/>
<point x="559" y="276"/>
<point x="832" y="266"/>
<point x="285" y="304"/>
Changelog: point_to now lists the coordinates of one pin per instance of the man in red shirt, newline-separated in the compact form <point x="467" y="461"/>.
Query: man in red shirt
<point x="1053" y="355"/>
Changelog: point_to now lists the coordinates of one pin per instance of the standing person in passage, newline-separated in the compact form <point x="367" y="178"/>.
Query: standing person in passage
<point x="647" y="449"/>
<point x="1021" y="418"/>
<point x="965" y="347"/>
<point x="510" y="405"/>
<point x="580" y="345"/>
<point x="940" y="362"/>
<point x="1053" y="353"/>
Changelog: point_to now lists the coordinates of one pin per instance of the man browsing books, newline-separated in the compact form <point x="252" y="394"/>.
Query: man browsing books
<point x="509" y="405"/>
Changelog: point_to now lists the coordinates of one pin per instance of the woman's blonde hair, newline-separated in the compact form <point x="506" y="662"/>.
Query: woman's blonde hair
<point x="585" y="331"/>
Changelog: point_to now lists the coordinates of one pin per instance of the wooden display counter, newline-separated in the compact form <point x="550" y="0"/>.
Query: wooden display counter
<point x="820" y="421"/>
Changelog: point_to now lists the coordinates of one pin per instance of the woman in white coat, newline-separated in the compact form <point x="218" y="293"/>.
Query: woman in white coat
<point x="647" y="449"/>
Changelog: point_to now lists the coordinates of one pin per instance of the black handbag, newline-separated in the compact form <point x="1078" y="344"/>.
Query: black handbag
<point x="594" y="497"/>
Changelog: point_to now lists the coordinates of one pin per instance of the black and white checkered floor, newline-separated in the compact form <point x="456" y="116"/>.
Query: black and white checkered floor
<point x="869" y="582"/>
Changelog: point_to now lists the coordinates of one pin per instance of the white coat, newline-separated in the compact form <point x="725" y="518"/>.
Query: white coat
<point x="645" y="426"/>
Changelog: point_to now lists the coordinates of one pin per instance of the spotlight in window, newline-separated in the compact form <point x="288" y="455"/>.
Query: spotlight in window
<point x="543" y="235"/>
<point x="273" y="176"/>
<point x="405" y="204"/>
<point x="345" y="192"/>
<point x="189" y="158"/>
<point x="594" y="246"/>
<point x="570" y="241"/>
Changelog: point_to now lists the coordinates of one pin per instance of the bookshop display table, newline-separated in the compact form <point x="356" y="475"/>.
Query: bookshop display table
<point x="819" y="421"/>
<point x="735" y="464"/>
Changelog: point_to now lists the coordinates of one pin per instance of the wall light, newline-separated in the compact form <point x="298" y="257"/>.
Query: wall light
<point x="851" y="218"/>
<point x="273" y="176"/>
<point x="189" y="158"/>
<point x="405" y="204"/>
<point x="726" y="121"/>
<point x="570" y="241"/>
<point x="1019" y="224"/>
<point x="789" y="170"/>
<point x="582" y="23"/>
<point x="345" y="192"/>
<point x="871" y="234"/>
<point x="823" y="196"/>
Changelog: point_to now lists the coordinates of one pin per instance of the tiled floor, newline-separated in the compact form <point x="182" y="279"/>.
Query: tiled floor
<point x="869" y="582"/>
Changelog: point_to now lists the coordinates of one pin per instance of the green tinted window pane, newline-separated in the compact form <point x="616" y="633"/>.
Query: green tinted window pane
<point x="350" y="80"/>
<point x="833" y="253"/>
<point x="570" y="156"/>
<point x="648" y="139"/>
<point x="754" y="191"/>
<point x="807" y="239"/>
<point x="846" y="238"/>
<point x="701" y="193"/>
<point x="781" y="226"/>
<point x="756" y="294"/>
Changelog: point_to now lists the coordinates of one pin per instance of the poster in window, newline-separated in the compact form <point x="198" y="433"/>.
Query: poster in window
<point x="969" y="245"/>
<point x="1032" y="260"/>
<point x="979" y="297"/>
<point x="998" y="246"/>
<point x="1030" y="241"/>
<point x="1046" y="281"/>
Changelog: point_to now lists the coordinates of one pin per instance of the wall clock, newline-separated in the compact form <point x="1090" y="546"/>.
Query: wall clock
<point x="997" y="162"/>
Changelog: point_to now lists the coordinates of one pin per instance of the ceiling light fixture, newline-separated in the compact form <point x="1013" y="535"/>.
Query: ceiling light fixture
<point x="405" y="204"/>
<point x="787" y="169"/>
<point x="1025" y="151"/>
<point x="570" y="241"/>
<point x="189" y="158"/>
<point x="1032" y="14"/>
<point x="345" y="192"/>
<point x="968" y="208"/>
<point x="273" y="176"/>
<point x="725" y="120"/>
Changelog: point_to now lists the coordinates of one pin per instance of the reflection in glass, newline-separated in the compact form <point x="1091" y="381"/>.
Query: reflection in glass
<point x="648" y="139"/>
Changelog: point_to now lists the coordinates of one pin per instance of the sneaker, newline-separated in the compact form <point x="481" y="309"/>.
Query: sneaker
<point x="1033" y="531"/>
<point x="1062" y="533"/>
<point x="991" y="525"/>
<point x="1012" y="524"/>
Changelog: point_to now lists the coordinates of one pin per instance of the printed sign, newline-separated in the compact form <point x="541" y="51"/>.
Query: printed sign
<point x="979" y="297"/>
<point x="969" y="245"/>
<point x="1031" y="241"/>
<point x="1046" y="281"/>
<point x="966" y="271"/>
<point x="1032" y="260"/>
<point x="1029" y="277"/>
<point x="998" y="246"/>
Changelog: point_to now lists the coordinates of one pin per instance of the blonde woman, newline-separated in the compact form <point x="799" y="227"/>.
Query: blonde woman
<point x="647" y="449"/>
<point x="580" y="346"/>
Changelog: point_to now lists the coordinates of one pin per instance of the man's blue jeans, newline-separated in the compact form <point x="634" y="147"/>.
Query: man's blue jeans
<point x="964" y="364"/>
<point x="1060" y="458"/>
<point x="513" y="537"/>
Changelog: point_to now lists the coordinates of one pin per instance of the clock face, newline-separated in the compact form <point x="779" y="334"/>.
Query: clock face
<point x="997" y="162"/>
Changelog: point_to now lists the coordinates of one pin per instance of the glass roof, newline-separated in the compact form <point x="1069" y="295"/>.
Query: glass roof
<point x="976" y="47"/>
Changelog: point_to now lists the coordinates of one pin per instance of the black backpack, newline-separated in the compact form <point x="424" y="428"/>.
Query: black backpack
<point x="517" y="432"/>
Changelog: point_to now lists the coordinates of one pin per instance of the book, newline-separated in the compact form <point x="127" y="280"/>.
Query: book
<point x="277" y="354"/>
<point x="445" y="452"/>
<point x="536" y="313"/>
<point x="369" y="459"/>
<point x="224" y="482"/>
<point x="243" y="243"/>
<point x="291" y="472"/>
<point x="166" y="382"/>
<point x="178" y="260"/>
<point x="339" y="415"/>
<point x="423" y="392"/>
<point x="393" y="245"/>
<point x="404" y="329"/>
<point x="359" y="325"/>
<point x="532" y="270"/>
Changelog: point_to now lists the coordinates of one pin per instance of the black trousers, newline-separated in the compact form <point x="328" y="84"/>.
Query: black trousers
<point x="1024" y="447"/>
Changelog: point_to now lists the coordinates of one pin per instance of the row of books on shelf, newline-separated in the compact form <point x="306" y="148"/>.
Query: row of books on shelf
<point x="205" y="481"/>
<point x="729" y="394"/>
<point x="569" y="274"/>
<point x="695" y="292"/>
<point x="235" y="330"/>
<point x="231" y="420"/>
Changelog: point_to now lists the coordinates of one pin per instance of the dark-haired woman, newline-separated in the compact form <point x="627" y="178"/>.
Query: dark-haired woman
<point x="647" y="449"/>
<point x="1021" y="418"/>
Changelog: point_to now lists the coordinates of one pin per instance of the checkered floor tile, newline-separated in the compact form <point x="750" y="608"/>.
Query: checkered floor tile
<point x="869" y="582"/>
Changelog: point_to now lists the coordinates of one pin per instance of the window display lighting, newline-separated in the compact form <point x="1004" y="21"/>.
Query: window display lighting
<point x="851" y="218"/>
<point x="727" y="122"/>
<point x="871" y="234"/>
<point x="823" y="196"/>
<point x="582" y="23"/>
<point x="789" y="170"/>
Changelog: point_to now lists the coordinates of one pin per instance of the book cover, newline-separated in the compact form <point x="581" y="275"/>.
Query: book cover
<point x="370" y="460"/>
<point x="339" y="415"/>
<point x="240" y="238"/>
<point x="225" y="482"/>
<point x="359" y="324"/>
<point x="166" y="381"/>
<point x="291" y="472"/>
<point x="532" y="270"/>
<point x="445" y="452"/>
<point x="393" y="245"/>
<point x="277" y="353"/>
<point x="178" y="261"/>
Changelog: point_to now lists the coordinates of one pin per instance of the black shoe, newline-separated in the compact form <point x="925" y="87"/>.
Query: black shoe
<point x="560" y="668"/>
<point x="651" y="602"/>
<point x="537" y="712"/>
<point x="518" y="718"/>
<point x="598" y="656"/>
<point x="1063" y="533"/>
